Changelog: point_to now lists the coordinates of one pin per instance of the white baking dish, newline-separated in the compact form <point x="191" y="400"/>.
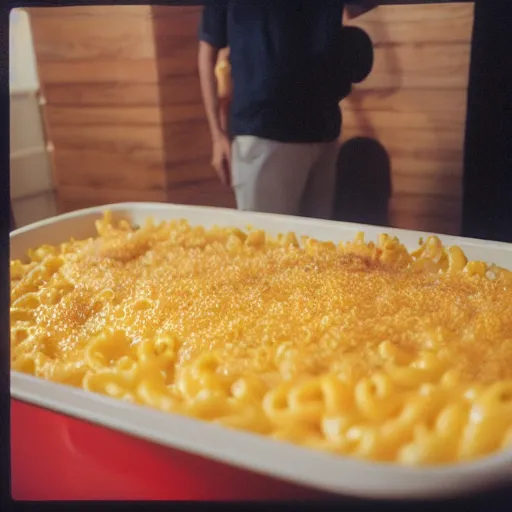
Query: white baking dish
<point x="281" y="460"/>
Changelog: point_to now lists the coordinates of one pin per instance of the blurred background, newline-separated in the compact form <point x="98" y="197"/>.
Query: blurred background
<point x="106" y="107"/>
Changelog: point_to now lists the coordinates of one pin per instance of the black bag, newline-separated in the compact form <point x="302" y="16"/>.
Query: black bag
<point x="355" y="58"/>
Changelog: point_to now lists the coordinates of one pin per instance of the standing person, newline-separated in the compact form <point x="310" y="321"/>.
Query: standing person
<point x="288" y="79"/>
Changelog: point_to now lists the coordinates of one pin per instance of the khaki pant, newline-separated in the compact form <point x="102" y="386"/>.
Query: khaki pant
<point x="285" y="178"/>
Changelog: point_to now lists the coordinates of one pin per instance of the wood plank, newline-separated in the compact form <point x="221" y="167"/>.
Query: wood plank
<point x="110" y="116"/>
<point x="184" y="112"/>
<point x="163" y="11"/>
<point x="116" y="94"/>
<point x="406" y="100"/>
<point x="180" y="141"/>
<point x="429" y="205"/>
<point x="190" y="170"/>
<point x="414" y="143"/>
<point x="140" y="71"/>
<point x="441" y="186"/>
<point x="93" y="38"/>
<point x="367" y="120"/>
<point x="432" y="167"/>
<point x="175" y="90"/>
<point x="94" y="168"/>
<point x="98" y="71"/>
<point x="209" y="192"/>
<point x="119" y="138"/>
<point x="131" y="38"/>
<point x="412" y="24"/>
<point x="433" y="66"/>
<point x="428" y="224"/>
<point x="68" y="115"/>
<point x="186" y="141"/>
<point x="91" y="11"/>
<point x="176" y="23"/>
<point x="111" y="94"/>
<point x="175" y="33"/>
<point x="74" y="198"/>
<point x="425" y="224"/>
<point x="172" y="46"/>
<point x="177" y="63"/>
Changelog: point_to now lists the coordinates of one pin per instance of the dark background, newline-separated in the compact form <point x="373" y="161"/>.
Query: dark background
<point x="487" y="203"/>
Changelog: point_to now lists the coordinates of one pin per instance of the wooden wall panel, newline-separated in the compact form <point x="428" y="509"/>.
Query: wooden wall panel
<point x="123" y="105"/>
<point x="129" y="38"/>
<point x="114" y="115"/>
<point x="416" y="24"/>
<point x="105" y="94"/>
<point x="111" y="11"/>
<point x="186" y="137"/>
<point x="100" y="83"/>
<point x="414" y="100"/>
<point x="380" y="120"/>
<point x="137" y="71"/>
<point x="126" y="119"/>
<point x="202" y="191"/>
<point x="424" y="66"/>
<point x="62" y="115"/>
<point x="75" y="197"/>
<point x="414" y="104"/>
<point x="116" y="139"/>
<point x="96" y="168"/>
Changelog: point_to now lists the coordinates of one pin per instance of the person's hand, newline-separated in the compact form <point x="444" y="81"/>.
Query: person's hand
<point x="221" y="159"/>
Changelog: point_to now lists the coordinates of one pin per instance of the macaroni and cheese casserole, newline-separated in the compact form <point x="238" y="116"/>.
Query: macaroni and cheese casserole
<point x="361" y="348"/>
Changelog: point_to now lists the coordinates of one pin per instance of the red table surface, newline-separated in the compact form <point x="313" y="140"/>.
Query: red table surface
<point x="56" y="457"/>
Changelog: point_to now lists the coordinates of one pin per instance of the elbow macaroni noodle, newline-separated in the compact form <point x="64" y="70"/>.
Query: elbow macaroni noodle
<point x="360" y="349"/>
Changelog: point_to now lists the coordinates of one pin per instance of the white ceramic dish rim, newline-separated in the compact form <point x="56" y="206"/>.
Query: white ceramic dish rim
<point x="336" y="474"/>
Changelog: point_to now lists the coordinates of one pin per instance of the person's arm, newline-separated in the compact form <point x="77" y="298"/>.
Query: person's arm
<point x="223" y="74"/>
<point x="224" y="87"/>
<point x="212" y="38"/>
<point x="207" y="60"/>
